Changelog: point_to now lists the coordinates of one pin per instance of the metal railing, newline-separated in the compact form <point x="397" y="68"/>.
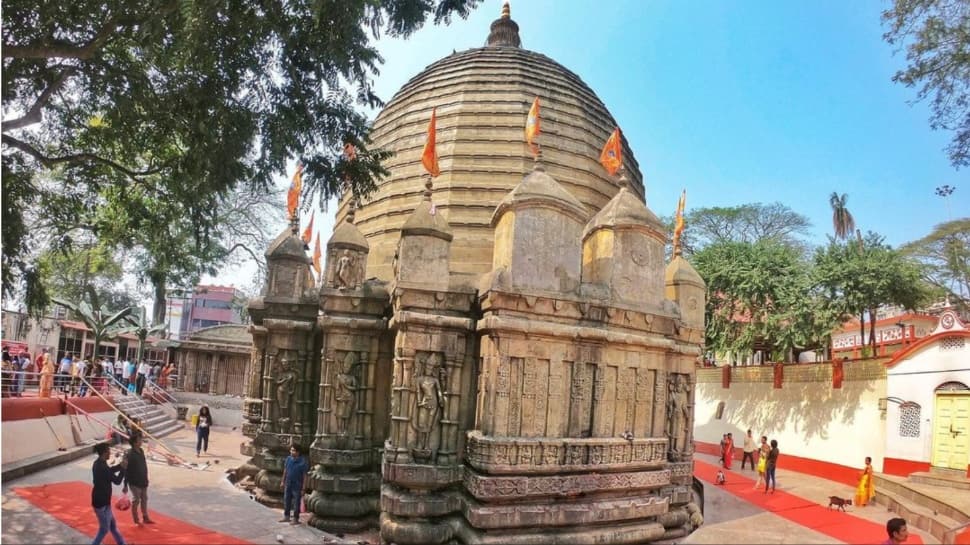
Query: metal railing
<point x="27" y="384"/>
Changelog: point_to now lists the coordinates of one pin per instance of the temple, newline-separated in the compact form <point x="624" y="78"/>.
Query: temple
<point x="497" y="357"/>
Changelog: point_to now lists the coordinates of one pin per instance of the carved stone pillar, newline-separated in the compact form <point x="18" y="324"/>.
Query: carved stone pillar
<point x="352" y="413"/>
<point x="432" y="408"/>
<point x="282" y="375"/>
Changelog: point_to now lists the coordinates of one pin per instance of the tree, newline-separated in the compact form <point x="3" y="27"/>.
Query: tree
<point x="842" y="221"/>
<point x="945" y="255"/>
<point x="101" y="321"/>
<point x="758" y="296"/>
<point x="937" y="41"/>
<point x="855" y="282"/>
<point x="72" y="273"/>
<point x="743" y="223"/>
<point x="186" y="100"/>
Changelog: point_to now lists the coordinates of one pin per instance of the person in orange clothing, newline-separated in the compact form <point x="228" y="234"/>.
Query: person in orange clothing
<point x="866" y="489"/>
<point x="46" y="376"/>
<point x="728" y="451"/>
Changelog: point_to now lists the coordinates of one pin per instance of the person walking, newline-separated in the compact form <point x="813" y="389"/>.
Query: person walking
<point x="771" y="466"/>
<point x="762" y="461"/>
<point x="723" y="448"/>
<point x="64" y="372"/>
<point x="136" y="478"/>
<point x="103" y="476"/>
<point x="202" y="431"/>
<point x="295" y="471"/>
<point x="749" y="449"/>
<point x="127" y="380"/>
<point x="866" y="489"/>
<point x="729" y="451"/>
<point x="78" y="377"/>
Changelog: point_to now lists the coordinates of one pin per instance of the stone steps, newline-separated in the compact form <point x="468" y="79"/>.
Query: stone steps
<point x="154" y="418"/>
<point x="925" y="506"/>
<point x="935" y="478"/>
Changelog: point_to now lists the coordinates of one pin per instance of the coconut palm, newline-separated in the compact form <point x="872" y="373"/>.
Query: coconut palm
<point x="101" y="321"/>
<point x="842" y="221"/>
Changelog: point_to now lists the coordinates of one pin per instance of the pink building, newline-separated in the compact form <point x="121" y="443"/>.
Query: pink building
<point x="211" y="306"/>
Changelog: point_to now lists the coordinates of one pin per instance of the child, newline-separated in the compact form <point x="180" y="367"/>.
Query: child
<point x="295" y="472"/>
<point x="720" y="478"/>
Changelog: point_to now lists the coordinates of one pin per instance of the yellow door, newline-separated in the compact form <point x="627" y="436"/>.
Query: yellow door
<point x="951" y="431"/>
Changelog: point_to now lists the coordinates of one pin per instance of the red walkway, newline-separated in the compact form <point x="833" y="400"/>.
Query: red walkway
<point x="70" y="503"/>
<point x="831" y="522"/>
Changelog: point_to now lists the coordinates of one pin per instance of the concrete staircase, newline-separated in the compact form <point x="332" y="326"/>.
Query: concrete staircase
<point x="936" y="502"/>
<point x="155" y="419"/>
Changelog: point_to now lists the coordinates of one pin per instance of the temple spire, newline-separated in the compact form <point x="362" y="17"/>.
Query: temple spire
<point x="504" y="31"/>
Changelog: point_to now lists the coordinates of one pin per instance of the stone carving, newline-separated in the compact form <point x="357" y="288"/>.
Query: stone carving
<point x="429" y="400"/>
<point x="285" y="388"/>
<point x="494" y="488"/>
<point x="345" y="277"/>
<point x="678" y="416"/>
<point x="345" y="391"/>
<point x="501" y="455"/>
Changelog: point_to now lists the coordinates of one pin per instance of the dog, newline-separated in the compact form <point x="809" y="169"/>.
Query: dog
<point x="719" y="479"/>
<point x="838" y="502"/>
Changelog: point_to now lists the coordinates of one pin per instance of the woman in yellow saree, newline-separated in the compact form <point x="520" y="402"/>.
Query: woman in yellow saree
<point x="866" y="489"/>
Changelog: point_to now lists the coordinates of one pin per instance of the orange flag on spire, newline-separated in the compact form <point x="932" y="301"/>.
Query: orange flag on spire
<point x="430" y="156"/>
<point x="316" y="255"/>
<point x="612" y="154"/>
<point x="296" y="187"/>
<point x="308" y="232"/>
<point x="532" y="126"/>
<point x="679" y="221"/>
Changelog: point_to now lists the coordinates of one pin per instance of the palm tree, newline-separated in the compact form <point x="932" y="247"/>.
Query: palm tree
<point x="842" y="221"/>
<point x="100" y="321"/>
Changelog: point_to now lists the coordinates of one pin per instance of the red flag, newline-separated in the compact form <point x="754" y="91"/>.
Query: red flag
<point x="296" y="187"/>
<point x="532" y="126"/>
<point x="612" y="154"/>
<point x="430" y="156"/>
<point x="316" y="255"/>
<point x="308" y="232"/>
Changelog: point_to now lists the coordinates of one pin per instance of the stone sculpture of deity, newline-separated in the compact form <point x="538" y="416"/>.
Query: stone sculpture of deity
<point x="678" y="414"/>
<point x="345" y="277"/>
<point x="345" y="391"/>
<point x="430" y="399"/>
<point x="285" y="388"/>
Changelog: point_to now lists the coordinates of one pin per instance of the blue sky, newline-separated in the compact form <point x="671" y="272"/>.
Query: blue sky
<point x="739" y="101"/>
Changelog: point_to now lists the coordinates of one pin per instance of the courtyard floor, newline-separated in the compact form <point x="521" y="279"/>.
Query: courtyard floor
<point x="206" y="499"/>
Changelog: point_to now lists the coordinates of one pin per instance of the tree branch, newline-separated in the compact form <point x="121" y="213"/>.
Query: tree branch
<point x="63" y="50"/>
<point x="259" y="262"/>
<point x="76" y="158"/>
<point x="35" y="113"/>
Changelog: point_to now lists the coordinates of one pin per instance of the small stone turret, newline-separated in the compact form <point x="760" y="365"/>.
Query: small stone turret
<point x="537" y="233"/>
<point x="686" y="288"/>
<point x="346" y="255"/>
<point x="425" y="247"/>
<point x="623" y="251"/>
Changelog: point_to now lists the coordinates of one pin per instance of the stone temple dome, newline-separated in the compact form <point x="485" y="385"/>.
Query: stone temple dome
<point x="482" y="97"/>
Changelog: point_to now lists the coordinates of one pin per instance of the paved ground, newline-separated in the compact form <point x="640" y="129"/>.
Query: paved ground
<point x="206" y="498"/>
<point x="729" y="519"/>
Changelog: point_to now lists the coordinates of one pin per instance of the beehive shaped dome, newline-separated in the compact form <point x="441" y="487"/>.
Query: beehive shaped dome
<point x="482" y="97"/>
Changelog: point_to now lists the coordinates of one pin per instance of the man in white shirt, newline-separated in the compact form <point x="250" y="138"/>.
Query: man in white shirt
<point x="63" y="379"/>
<point x="749" y="449"/>
<point x="126" y="377"/>
<point x="77" y="375"/>
<point x="143" y="369"/>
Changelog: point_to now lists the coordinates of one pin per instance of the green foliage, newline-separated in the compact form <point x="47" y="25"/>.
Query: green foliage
<point x="72" y="273"/>
<point x="182" y="102"/>
<point x="759" y="294"/>
<point x="936" y="36"/>
<point x="945" y="256"/>
<point x="743" y="223"/>
<point x="142" y="329"/>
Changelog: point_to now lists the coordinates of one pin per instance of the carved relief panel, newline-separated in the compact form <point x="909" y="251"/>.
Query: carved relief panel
<point x="345" y="268"/>
<point x="679" y="416"/>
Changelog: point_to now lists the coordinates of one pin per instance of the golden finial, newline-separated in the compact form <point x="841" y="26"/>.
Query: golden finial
<point x="506" y="11"/>
<point x="679" y="222"/>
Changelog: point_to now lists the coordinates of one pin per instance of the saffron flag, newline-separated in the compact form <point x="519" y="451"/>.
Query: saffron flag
<point x="308" y="232"/>
<point x="612" y="154"/>
<point x="296" y="187"/>
<point x="316" y="255"/>
<point x="679" y="221"/>
<point x="532" y="127"/>
<point x="430" y="156"/>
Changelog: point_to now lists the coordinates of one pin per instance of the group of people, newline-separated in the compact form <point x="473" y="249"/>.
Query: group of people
<point x="72" y="374"/>
<point x="767" y="458"/>
<point x="131" y="471"/>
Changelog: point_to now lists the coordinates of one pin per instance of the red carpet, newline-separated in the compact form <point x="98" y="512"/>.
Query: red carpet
<point x="831" y="522"/>
<point x="70" y="503"/>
